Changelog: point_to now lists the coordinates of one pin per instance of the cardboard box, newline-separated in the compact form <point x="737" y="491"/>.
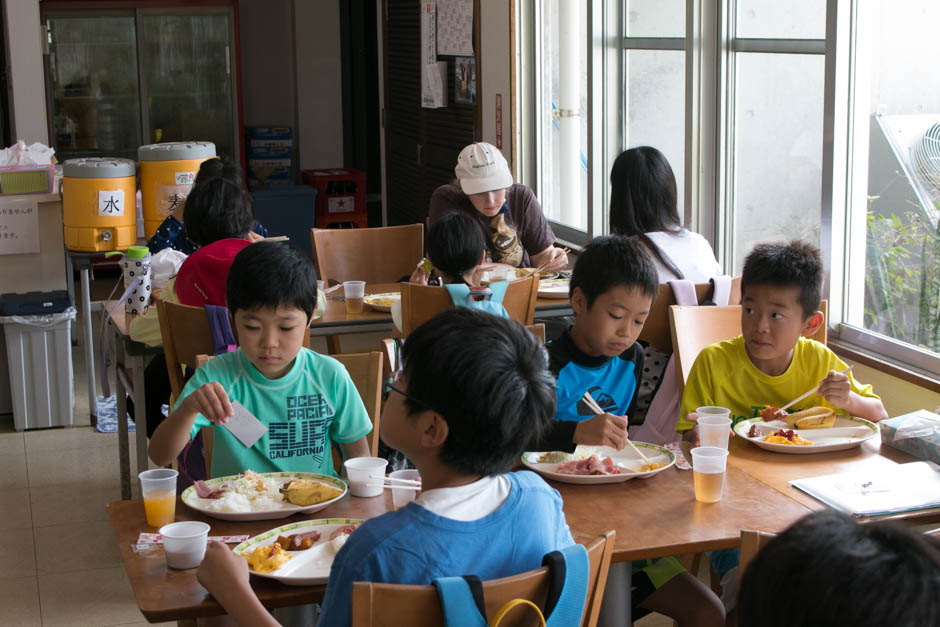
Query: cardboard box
<point x="919" y="434"/>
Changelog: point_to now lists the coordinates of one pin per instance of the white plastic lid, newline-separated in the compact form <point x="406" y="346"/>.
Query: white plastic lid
<point x="176" y="151"/>
<point x="99" y="168"/>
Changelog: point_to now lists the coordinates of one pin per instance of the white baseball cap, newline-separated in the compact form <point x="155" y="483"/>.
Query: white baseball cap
<point x="481" y="167"/>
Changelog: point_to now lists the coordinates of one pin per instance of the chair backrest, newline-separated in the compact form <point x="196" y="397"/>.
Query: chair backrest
<point x="656" y="331"/>
<point x="694" y="328"/>
<point x="186" y="335"/>
<point x="751" y="543"/>
<point x="538" y="330"/>
<point x="383" y="604"/>
<point x="365" y="369"/>
<point x="420" y="303"/>
<point x="377" y="255"/>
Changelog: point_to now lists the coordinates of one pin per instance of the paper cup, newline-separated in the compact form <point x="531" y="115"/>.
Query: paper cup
<point x="708" y="472"/>
<point x="358" y="471"/>
<point x="402" y="496"/>
<point x="158" y="490"/>
<point x="185" y="543"/>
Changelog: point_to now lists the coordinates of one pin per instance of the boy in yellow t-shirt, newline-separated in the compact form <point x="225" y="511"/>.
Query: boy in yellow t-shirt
<point x="773" y="361"/>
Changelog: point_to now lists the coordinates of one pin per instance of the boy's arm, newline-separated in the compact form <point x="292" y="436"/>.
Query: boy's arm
<point x="171" y="436"/>
<point x="836" y="388"/>
<point x="357" y="448"/>
<point x="225" y="576"/>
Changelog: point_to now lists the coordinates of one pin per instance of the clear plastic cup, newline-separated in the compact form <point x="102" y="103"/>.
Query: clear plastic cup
<point x="714" y="426"/>
<point x="158" y="490"/>
<point x="401" y="496"/>
<point x="354" y="291"/>
<point x="320" y="285"/>
<point x="708" y="472"/>
<point x="185" y="543"/>
<point x="499" y="273"/>
<point x="360" y="471"/>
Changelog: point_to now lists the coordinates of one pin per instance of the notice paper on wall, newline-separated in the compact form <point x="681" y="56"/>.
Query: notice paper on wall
<point x="455" y="27"/>
<point x="433" y="73"/>
<point x="19" y="227"/>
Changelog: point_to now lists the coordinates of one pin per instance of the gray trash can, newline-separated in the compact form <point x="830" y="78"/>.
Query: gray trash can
<point x="39" y="356"/>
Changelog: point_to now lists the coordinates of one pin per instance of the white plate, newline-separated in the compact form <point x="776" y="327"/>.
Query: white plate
<point x="847" y="432"/>
<point x="369" y="298"/>
<point x="625" y="460"/>
<point x="193" y="500"/>
<point x="554" y="288"/>
<point x="309" y="567"/>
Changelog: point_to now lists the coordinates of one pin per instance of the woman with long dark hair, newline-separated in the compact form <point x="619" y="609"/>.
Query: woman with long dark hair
<point x="643" y="204"/>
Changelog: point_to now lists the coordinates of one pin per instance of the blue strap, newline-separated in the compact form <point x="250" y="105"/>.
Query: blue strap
<point x="567" y="589"/>
<point x="223" y="340"/>
<point x="499" y="291"/>
<point x="460" y="607"/>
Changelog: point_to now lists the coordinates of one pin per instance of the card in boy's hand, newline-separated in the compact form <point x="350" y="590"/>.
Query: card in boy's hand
<point x="244" y="425"/>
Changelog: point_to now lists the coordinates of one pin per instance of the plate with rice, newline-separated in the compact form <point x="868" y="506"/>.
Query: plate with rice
<point x="258" y="496"/>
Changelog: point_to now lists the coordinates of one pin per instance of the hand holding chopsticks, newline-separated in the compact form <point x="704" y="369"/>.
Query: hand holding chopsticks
<point x="592" y="404"/>
<point x="810" y="393"/>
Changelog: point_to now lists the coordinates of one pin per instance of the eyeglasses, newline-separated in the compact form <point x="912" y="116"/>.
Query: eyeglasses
<point x="389" y="388"/>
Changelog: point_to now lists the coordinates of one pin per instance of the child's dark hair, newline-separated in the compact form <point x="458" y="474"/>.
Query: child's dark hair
<point x="796" y="264"/>
<point x="271" y="274"/>
<point x="488" y="378"/>
<point x="611" y="260"/>
<point x="217" y="207"/>
<point x="455" y="244"/>
<point x="643" y="199"/>
<point x="828" y="570"/>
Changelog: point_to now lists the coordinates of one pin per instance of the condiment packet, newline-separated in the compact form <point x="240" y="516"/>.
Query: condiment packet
<point x="244" y="425"/>
<point x="681" y="462"/>
<point x="156" y="538"/>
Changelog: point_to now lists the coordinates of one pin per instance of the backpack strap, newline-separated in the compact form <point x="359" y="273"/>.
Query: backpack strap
<point x="567" y="585"/>
<point x="499" y="291"/>
<point x="459" y="293"/>
<point x="721" y="290"/>
<point x="461" y="601"/>
<point x="684" y="292"/>
<point x="223" y="340"/>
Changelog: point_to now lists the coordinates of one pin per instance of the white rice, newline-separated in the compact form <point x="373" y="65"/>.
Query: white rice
<point x="244" y="495"/>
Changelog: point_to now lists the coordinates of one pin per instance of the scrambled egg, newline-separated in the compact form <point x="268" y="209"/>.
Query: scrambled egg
<point x="650" y="466"/>
<point x="265" y="559"/>
<point x="382" y="302"/>
<point x="779" y="439"/>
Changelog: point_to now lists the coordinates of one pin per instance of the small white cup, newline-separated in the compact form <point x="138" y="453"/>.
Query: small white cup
<point x="401" y="496"/>
<point x="185" y="543"/>
<point x="708" y="473"/>
<point x="358" y="471"/>
<point x="499" y="273"/>
<point x="354" y="289"/>
<point x="714" y="431"/>
<point x="320" y="285"/>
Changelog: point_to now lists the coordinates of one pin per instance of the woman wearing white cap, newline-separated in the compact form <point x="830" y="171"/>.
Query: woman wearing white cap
<point x="516" y="230"/>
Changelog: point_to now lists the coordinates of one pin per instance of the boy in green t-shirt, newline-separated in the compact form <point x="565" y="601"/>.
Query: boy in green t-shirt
<point x="306" y="400"/>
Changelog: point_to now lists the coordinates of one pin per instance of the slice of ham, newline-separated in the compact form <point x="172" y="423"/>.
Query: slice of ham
<point x="205" y="492"/>
<point x="298" y="541"/>
<point x="589" y="466"/>
<point x="343" y="530"/>
<point x="769" y="414"/>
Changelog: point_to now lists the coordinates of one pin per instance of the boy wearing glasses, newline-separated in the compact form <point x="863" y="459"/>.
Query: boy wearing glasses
<point x="474" y="392"/>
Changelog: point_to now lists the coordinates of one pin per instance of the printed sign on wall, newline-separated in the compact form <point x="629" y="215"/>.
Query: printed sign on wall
<point x="19" y="227"/>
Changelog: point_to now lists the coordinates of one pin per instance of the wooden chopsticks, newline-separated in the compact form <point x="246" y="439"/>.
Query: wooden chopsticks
<point x="590" y="402"/>
<point x="813" y="391"/>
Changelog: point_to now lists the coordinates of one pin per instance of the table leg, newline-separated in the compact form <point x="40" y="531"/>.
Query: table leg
<point x="117" y="352"/>
<point x="616" y="608"/>
<point x="70" y="286"/>
<point x="89" y="348"/>
<point x="135" y="364"/>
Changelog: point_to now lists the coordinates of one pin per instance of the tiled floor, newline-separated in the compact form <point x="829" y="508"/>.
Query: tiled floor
<point x="59" y="562"/>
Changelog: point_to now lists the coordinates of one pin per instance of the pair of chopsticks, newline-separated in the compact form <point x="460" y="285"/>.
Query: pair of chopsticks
<point x="590" y="402"/>
<point x="811" y="392"/>
<point x="544" y="265"/>
<point x="394" y="482"/>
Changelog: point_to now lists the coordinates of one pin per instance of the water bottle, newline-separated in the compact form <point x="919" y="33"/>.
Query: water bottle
<point x="137" y="272"/>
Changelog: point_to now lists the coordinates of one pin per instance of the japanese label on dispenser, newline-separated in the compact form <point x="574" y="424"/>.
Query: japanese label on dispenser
<point x="171" y="198"/>
<point x="111" y="204"/>
<point x="19" y="227"/>
<point x="185" y="178"/>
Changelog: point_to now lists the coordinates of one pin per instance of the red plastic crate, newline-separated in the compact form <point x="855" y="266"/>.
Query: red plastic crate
<point x="341" y="196"/>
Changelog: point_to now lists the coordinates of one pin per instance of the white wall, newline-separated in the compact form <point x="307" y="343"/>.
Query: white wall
<point x="495" y="57"/>
<point x="24" y="60"/>
<point x="319" y="83"/>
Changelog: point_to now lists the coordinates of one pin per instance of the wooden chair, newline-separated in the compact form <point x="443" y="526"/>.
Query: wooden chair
<point x="377" y="255"/>
<point x="656" y="331"/>
<point x="420" y="303"/>
<point x="382" y="604"/>
<point x="694" y="328"/>
<point x="365" y="369"/>
<point x="751" y="543"/>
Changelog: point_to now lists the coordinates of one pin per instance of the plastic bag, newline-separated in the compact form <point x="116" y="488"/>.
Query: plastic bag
<point x="164" y="265"/>
<point x="923" y="424"/>
<point x="41" y="320"/>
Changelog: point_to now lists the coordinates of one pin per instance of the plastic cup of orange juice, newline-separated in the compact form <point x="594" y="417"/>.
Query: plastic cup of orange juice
<point x="158" y="489"/>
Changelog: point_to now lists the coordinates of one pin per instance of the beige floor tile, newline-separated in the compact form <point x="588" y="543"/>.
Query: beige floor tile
<point x="19" y="599"/>
<point x="17" y="555"/>
<point x="53" y="505"/>
<point x="12" y="445"/>
<point x="68" y="437"/>
<point x="13" y="466"/>
<point x="73" y="547"/>
<point x="76" y="467"/>
<point x="15" y="507"/>
<point x="87" y="597"/>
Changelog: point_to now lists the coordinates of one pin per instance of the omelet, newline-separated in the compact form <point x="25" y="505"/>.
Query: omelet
<point x="265" y="559"/>
<point x="305" y="492"/>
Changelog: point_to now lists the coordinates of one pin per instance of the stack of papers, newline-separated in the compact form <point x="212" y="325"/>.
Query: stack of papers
<point x="904" y="488"/>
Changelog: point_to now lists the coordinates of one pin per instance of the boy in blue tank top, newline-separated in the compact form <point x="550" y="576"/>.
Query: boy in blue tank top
<point x="474" y="393"/>
<point x="306" y="400"/>
<point x="612" y="288"/>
